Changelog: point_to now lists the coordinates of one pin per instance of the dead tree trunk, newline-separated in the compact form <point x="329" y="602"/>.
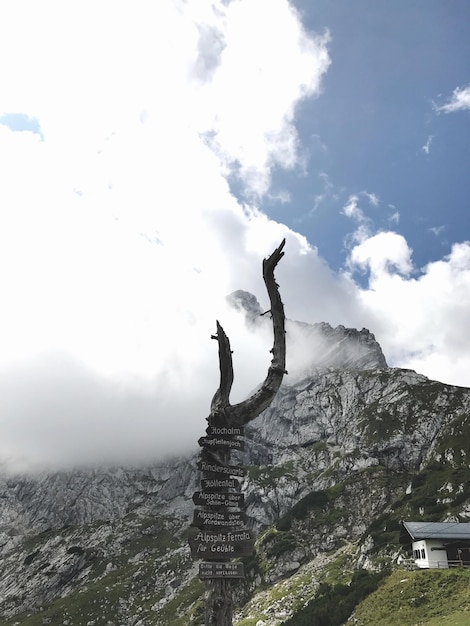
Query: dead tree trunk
<point x="218" y="602"/>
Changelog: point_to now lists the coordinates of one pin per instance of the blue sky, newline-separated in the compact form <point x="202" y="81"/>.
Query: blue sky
<point x="151" y="154"/>
<point x="392" y="63"/>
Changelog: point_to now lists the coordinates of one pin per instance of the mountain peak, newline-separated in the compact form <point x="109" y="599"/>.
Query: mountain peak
<point x="245" y="302"/>
<point x="318" y="345"/>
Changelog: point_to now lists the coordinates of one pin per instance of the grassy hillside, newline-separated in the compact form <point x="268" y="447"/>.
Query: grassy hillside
<point x="419" y="598"/>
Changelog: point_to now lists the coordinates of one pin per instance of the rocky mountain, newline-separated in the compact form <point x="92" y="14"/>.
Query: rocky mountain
<point x="316" y="345"/>
<point x="344" y="452"/>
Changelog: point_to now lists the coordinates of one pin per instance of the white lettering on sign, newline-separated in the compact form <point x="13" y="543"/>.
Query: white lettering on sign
<point x="215" y="468"/>
<point x="210" y="515"/>
<point x="229" y="569"/>
<point x="217" y="483"/>
<point x="220" y="543"/>
<point x="223" y="548"/>
<point x="225" y="430"/>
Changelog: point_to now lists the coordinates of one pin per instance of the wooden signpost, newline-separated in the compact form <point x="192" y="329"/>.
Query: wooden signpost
<point x="219" y="530"/>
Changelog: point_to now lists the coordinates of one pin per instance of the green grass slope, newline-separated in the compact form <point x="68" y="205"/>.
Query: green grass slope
<point x="418" y="598"/>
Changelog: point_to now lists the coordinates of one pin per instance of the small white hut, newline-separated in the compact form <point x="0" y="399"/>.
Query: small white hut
<point x="437" y="544"/>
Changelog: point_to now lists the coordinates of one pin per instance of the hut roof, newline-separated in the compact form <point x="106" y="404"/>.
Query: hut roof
<point x="450" y="531"/>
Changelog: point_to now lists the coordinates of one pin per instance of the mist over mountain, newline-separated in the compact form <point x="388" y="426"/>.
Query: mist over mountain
<point x="310" y="346"/>
<point x="59" y="414"/>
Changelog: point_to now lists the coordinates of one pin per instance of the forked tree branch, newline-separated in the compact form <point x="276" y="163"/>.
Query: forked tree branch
<point x="221" y="396"/>
<point x="251" y="407"/>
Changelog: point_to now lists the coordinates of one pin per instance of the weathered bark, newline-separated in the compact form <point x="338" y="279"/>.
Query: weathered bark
<point x="219" y="606"/>
<point x="221" y="396"/>
<point x="218" y="602"/>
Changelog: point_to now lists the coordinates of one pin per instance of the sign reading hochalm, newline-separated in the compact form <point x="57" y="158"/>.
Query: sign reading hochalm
<point x="219" y="531"/>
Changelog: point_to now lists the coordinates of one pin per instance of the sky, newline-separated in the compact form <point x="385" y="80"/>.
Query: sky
<point x="152" y="154"/>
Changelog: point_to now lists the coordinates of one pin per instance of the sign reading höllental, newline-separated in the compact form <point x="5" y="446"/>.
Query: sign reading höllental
<point x="214" y="484"/>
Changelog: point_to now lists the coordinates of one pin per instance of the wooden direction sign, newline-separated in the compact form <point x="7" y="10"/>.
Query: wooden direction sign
<point x="225" y="431"/>
<point x="219" y="519"/>
<point x="213" y="467"/>
<point x="215" y="498"/>
<point x="210" y="569"/>
<point x="226" y="544"/>
<point x="221" y="442"/>
<point x="209" y="484"/>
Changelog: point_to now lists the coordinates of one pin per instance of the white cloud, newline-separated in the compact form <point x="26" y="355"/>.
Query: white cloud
<point x="351" y="209"/>
<point x="119" y="237"/>
<point x="119" y="231"/>
<point x="427" y="146"/>
<point x="372" y="197"/>
<point x="328" y="194"/>
<point x="363" y="230"/>
<point x="381" y="252"/>
<point x="282" y="196"/>
<point x="460" y="101"/>
<point x="419" y="317"/>
<point x="254" y="90"/>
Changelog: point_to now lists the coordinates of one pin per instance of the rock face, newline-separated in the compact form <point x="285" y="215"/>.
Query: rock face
<point x="338" y="424"/>
<point x="343" y="453"/>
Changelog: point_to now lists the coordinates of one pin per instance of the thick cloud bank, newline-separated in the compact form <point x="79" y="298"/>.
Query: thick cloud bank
<point x="120" y="237"/>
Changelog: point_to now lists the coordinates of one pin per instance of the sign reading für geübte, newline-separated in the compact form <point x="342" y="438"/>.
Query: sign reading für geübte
<point x="220" y="544"/>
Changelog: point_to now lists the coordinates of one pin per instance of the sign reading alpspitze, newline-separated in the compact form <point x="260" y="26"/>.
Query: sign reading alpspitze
<point x="214" y="498"/>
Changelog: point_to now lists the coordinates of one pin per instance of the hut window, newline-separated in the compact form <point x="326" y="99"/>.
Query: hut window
<point x="423" y="553"/>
